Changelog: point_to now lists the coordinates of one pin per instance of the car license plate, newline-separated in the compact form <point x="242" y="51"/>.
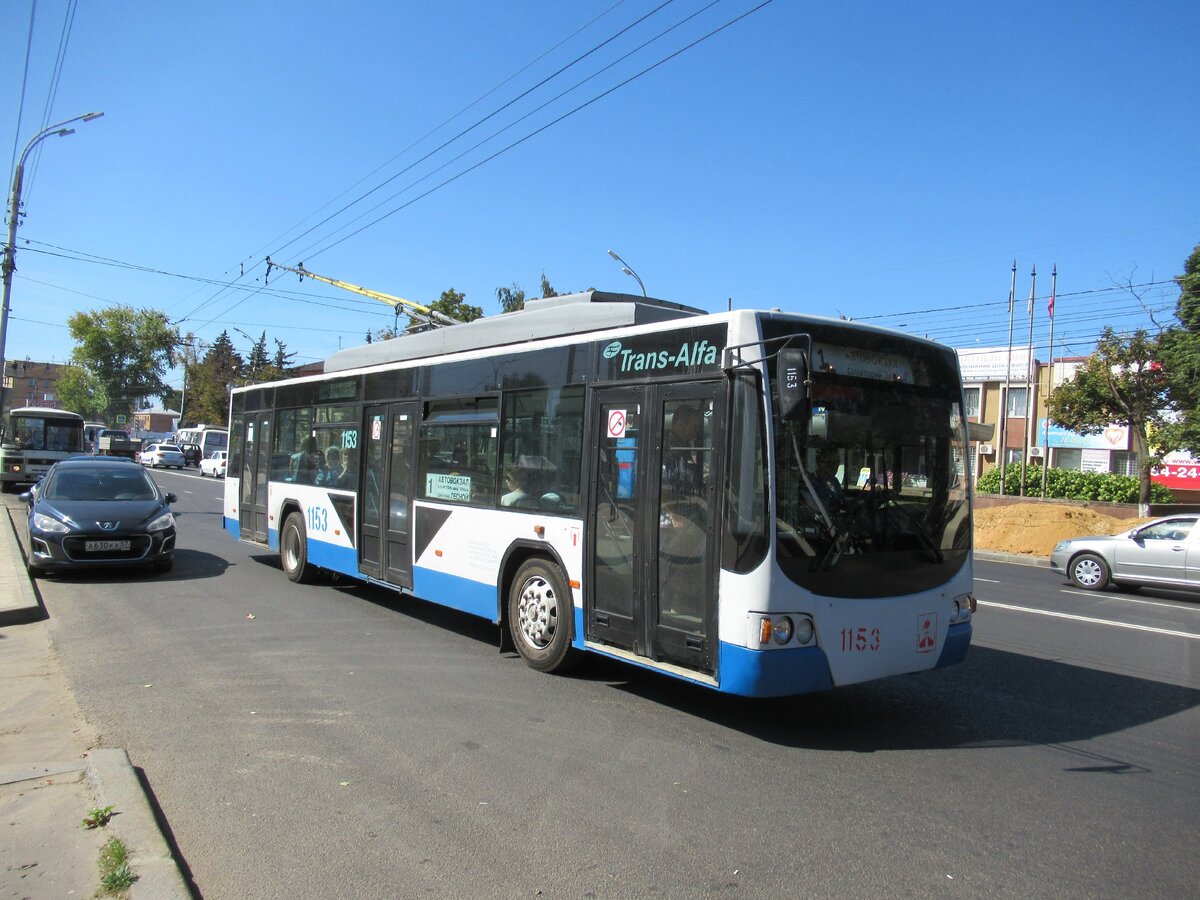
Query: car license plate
<point x="101" y="546"/>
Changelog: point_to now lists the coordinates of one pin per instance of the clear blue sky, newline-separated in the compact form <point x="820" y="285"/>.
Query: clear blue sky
<point x="880" y="161"/>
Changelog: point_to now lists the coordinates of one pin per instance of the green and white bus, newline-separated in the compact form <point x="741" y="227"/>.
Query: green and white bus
<point x="34" y="439"/>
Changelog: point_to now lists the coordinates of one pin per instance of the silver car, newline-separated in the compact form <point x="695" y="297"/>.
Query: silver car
<point x="156" y="455"/>
<point x="1165" y="552"/>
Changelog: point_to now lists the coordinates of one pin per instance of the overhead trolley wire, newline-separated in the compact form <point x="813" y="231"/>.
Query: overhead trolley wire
<point x="307" y="250"/>
<point x="548" y="125"/>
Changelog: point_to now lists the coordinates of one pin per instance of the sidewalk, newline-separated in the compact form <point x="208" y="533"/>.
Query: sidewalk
<point x="51" y="772"/>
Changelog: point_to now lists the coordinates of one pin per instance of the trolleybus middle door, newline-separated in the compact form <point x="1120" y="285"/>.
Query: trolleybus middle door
<point x="385" y="507"/>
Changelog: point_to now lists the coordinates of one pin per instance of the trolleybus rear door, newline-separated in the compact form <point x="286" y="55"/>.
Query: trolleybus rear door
<point x="252" y="484"/>
<point x="652" y="522"/>
<point x="385" y="535"/>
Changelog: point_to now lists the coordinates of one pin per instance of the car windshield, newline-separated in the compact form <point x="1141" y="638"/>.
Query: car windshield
<point x="106" y="483"/>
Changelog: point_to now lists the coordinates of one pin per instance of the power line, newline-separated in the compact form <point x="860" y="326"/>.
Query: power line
<point x="477" y="123"/>
<point x="307" y="251"/>
<point x="548" y="125"/>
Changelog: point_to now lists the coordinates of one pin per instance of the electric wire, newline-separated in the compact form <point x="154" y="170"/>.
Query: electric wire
<point x="12" y="166"/>
<point x="306" y="252"/>
<point x="546" y="126"/>
<point x="64" y="41"/>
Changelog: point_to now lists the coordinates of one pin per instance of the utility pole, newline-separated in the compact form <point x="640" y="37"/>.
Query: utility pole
<point x="14" y="216"/>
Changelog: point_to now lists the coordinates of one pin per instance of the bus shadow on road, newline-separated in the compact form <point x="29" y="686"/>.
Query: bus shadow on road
<point x="994" y="699"/>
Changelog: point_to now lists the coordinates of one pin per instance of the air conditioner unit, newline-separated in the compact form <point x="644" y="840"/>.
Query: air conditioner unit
<point x="986" y="449"/>
<point x="1036" y="452"/>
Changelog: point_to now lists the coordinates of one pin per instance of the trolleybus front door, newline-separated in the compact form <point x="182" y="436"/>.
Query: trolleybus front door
<point x="385" y="529"/>
<point x="652" y="522"/>
<point x="252" y="484"/>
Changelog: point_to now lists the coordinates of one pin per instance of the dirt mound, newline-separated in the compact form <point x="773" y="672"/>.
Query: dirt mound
<point x="1036" y="527"/>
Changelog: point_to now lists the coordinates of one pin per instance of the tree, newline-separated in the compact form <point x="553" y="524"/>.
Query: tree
<point x="282" y="360"/>
<point x="454" y="304"/>
<point x="547" y="288"/>
<point x="512" y="298"/>
<point x="1122" y="382"/>
<point x="1179" y="353"/>
<point x="258" y="359"/>
<point x="209" y="380"/>
<point x="79" y="391"/>
<point x="124" y="354"/>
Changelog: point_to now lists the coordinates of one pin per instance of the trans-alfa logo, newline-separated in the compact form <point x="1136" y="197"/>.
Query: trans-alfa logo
<point x="695" y="353"/>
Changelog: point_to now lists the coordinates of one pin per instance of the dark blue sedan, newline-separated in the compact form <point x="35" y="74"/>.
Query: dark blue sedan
<point x="97" y="512"/>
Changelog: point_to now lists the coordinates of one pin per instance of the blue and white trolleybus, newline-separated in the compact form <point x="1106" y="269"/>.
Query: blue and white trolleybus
<point x="761" y="503"/>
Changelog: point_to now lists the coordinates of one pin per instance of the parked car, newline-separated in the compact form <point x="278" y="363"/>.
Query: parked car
<point x="1165" y="552"/>
<point x="214" y="465"/>
<point x="99" y="512"/>
<point x="156" y="455"/>
<point x="192" y="454"/>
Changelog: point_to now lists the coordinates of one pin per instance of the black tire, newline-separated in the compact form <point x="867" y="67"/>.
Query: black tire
<point x="1089" y="571"/>
<point x="293" y="550"/>
<point x="541" y="616"/>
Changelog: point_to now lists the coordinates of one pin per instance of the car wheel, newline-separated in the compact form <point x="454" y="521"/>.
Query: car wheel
<point x="293" y="550"/>
<point x="163" y="566"/>
<point x="1089" y="571"/>
<point x="541" y="614"/>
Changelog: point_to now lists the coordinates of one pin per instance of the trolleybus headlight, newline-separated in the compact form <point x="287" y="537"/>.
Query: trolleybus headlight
<point x="804" y="630"/>
<point x="964" y="605"/>
<point x="783" y="629"/>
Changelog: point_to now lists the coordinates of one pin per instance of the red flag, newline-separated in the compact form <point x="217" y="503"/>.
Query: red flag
<point x="1050" y="305"/>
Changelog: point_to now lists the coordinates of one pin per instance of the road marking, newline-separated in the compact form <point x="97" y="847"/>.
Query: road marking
<point x="988" y="580"/>
<point x="1059" y="615"/>
<point x="1097" y="596"/>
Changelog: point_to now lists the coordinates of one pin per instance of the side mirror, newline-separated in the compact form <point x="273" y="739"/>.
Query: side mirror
<point x="26" y="497"/>
<point x="791" y="384"/>
<point x="170" y="498"/>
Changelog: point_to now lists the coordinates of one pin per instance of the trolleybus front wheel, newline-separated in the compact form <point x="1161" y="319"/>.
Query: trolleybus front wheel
<point x="540" y="615"/>
<point x="293" y="550"/>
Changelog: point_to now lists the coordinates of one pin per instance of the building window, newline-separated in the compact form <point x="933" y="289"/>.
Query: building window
<point x="1016" y="406"/>
<point x="1124" y="462"/>
<point x="971" y="395"/>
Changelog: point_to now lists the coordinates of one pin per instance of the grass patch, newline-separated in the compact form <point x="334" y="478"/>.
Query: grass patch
<point x="115" y="874"/>
<point x="98" y="817"/>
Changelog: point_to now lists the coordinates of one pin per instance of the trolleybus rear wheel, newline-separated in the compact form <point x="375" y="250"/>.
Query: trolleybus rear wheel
<point x="293" y="550"/>
<point x="540" y="616"/>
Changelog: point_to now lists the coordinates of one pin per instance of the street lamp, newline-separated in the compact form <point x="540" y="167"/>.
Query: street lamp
<point x="624" y="268"/>
<point x="14" y="215"/>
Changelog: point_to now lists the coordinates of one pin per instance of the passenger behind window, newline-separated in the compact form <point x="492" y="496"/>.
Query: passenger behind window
<point x="348" y="477"/>
<point x="332" y="470"/>
<point x="306" y="463"/>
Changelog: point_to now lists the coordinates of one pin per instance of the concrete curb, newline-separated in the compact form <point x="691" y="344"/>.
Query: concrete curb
<point x="19" y="603"/>
<point x="115" y="783"/>
<point x="1016" y="559"/>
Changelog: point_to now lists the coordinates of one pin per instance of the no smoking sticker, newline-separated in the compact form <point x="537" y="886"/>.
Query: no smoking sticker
<point x="616" y="423"/>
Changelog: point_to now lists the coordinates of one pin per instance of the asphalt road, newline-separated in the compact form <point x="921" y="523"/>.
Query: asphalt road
<point x="337" y="740"/>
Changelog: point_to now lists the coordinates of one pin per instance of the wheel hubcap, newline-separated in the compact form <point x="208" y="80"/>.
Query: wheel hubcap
<point x="1087" y="572"/>
<point x="537" y="612"/>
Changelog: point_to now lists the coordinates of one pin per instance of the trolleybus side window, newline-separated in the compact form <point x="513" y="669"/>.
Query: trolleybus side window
<point x="746" y="537"/>
<point x="458" y="447"/>
<point x="543" y="448"/>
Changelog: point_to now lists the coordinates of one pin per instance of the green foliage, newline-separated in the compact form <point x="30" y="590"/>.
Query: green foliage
<point x="125" y="353"/>
<point x="548" y="288"/>
<point x="115" y="874"/>
<point x="1179" y="353"/>
<point x="80" y="391"/>
<point x="208" y="383"/>
<point x="1069" y="484"/>
<point x="454" y="304"/>
<point x="511" y="298"/>
<point x="98" y="817"/>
